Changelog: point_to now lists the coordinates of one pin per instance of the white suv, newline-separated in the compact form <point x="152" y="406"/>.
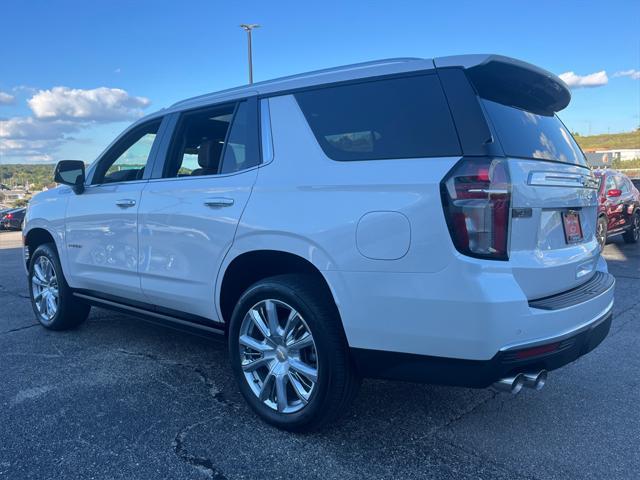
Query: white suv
<point x="425" y="220"/>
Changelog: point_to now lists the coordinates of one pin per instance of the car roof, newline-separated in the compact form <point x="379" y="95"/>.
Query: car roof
<point x="343" y="73"/>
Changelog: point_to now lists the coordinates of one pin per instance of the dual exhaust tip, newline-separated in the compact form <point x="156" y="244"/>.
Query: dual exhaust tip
<point x="533" y="380"/>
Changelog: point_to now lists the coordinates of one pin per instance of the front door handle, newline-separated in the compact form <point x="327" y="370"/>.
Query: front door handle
<point x="218" y="202"/>
<point x="126" y="203"/>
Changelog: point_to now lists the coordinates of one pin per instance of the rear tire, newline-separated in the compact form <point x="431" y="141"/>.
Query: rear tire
<point x="633" y="234"/>
<point x="52" y="300"/>
<point x="294" y="388"/>
<point x="601" y="231"/>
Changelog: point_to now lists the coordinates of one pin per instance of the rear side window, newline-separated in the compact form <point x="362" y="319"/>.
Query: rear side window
<point x="383" y="119"/>
<point x="528" y="135"/>
<point x="218" y="140"/>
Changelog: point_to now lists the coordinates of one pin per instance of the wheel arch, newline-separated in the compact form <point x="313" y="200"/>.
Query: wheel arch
<point x="248" y="267"/>
<point x="34" y="238"/>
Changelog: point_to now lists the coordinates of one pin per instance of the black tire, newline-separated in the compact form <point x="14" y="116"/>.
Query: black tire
<point x="633" y="234"/>
<point x="337" y="381"/>
<point x="70" y="311"/>
<point x="601" y="231"/>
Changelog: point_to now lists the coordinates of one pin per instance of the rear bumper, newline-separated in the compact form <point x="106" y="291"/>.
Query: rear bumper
<point x="470" y="310"/>
<point x="550" y="354"/>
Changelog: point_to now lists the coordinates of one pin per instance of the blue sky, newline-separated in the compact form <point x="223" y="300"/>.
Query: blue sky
<point x="113" y="60"/>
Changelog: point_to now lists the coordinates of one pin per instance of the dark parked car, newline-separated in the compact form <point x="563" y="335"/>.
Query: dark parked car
<point x="12" y="219"/>
<point x="619" y="207"/>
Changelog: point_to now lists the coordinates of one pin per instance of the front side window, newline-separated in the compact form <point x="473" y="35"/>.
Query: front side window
<point x="127" y="160"/>
<point x="214" y="141"/>
<point x="404" y="117"/>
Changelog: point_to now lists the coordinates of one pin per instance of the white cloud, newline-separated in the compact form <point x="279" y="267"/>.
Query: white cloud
<point x="633" y="73"/>
<point x="32" y="140"/>
<point x="98" y="105"/>
<point x="59" y="112"/>
<point x="6" y="99"/>
<point x="596" y="79"/>
<point x="35" y="129"/>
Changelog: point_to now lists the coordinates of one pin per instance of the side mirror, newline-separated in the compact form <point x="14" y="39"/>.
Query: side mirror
<point x="70" y="172"/>
<point x="614" y="192"/>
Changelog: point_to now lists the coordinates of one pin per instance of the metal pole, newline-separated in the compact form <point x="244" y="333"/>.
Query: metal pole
<point x="248" y="27"/>
<point x="250" y="59"/>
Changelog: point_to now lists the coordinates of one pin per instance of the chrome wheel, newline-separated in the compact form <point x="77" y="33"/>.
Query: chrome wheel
<point x="636" y="227"/>
<point x="44" y="287"/>
<point x="278" y="356"/>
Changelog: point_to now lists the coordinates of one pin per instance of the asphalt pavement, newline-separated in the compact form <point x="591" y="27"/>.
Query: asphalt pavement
<point x="122" y="398"/>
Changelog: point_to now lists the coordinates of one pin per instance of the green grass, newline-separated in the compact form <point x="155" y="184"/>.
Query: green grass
<point x="609" y="141"/>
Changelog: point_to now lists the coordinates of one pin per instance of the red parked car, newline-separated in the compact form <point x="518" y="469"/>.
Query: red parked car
<point x="619" y="207"/>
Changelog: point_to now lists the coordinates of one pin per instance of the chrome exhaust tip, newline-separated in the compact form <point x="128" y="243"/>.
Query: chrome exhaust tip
<point x="510" y="384"/>
<point x="536" y="381"/>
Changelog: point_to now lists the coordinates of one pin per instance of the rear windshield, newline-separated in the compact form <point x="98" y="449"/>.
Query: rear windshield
<point x="405" y="117"/>
<point x="527" y="135"/>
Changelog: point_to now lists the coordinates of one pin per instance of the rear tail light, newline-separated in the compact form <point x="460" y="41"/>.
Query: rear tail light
<point x="9" y="216"/>
<point x="476" y="196"/>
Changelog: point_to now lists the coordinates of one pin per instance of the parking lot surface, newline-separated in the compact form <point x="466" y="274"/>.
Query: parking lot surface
<point x="122" y="398"/>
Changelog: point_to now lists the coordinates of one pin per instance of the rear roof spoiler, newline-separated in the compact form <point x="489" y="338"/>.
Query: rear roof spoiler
<point x="512" y="82"/>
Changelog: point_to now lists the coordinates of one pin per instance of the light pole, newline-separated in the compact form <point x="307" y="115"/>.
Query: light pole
<point x="247" y="27"/>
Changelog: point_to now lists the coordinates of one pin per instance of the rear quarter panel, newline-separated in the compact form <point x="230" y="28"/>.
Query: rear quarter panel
<point x="308" y="203"/>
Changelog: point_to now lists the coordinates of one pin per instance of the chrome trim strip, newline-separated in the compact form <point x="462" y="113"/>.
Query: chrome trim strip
<point x="601" y="317"/>
<point x="142" y="311"/>
<point x="562" y="179"/>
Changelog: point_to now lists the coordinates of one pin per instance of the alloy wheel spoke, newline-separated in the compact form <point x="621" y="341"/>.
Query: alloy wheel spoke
<point x="291" y="322"/>
<point x="257" y="363"/>
<point x="253" y="344"/>
<point x="37" y="281"/>
<point x="45" y="304"/>
<point x="259" y="323"/>
<point x="305" y="341"/>
<point x="281" y="392"/>
<point x="39" y="274"/>
<point x="303" y="369"/>
<point x="51" y="305"/>
<point x="298" y="388"/>
<point x="41" y="304"/>
<point x="48" y="270"/>
<point x="267" y="387"/>
<point x="272" y="318"/>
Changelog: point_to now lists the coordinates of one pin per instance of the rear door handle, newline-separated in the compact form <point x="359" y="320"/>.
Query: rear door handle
<point x="218" y="202"/>
<point x="125" y="203"/>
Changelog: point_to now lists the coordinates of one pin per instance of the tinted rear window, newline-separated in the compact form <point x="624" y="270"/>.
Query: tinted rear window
<point x="525" y="134"/>
<point x="383" y="119"/>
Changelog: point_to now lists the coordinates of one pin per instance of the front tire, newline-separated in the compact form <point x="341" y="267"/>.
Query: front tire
<point x="289" y="353"/>
<point x="633" y="234"/>
<point x="51" y="298"/>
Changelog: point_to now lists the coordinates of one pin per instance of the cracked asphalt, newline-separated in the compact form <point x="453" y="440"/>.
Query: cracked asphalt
<point x="121" y="398"/>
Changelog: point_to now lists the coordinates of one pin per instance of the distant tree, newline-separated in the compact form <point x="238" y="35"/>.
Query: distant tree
<point x="22" y="202"/>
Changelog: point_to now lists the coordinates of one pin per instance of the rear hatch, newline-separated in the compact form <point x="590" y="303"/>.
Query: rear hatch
<point x="505" y="114"/>
<point x="553" y="202"/>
